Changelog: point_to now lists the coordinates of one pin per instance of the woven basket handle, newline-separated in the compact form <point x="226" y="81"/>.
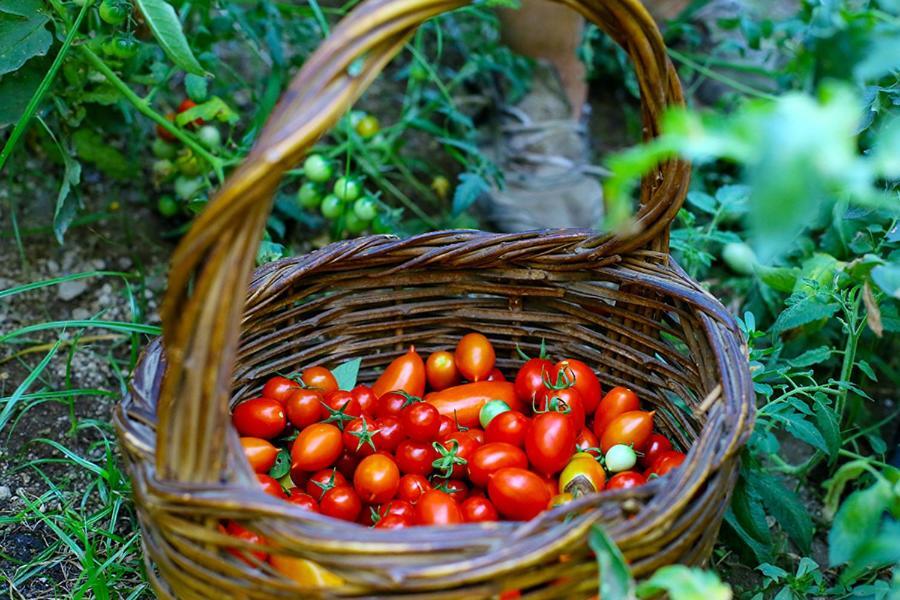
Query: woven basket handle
<point x="211" y="267"/>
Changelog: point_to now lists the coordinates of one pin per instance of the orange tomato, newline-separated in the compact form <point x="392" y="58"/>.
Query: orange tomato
<point x="305" y="572"/>
<point x="632" y="428"/>
<point x="464" y="402"/>
<point x="475" y="356"/>
<point x="317" y="447"/>
<point x="440" y="368"/>
<point x="319" y="378"/>
<point x="260" y="453"/>
<point x="617" y="401"/>
<point x="405" y="373"/>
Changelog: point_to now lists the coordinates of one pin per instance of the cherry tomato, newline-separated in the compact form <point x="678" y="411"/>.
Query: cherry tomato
<point x="391" y="404"/>
<point x="347" y="462"/>
<point x="114" y="12"/>
<point x="583" y="379"/>
<point x="332" y="207"/>
<point x="324" y="480"/>
<point x="667" y="461"/>
<point x="317" y="447"/>
<point x="319" y="378"/>
<point x="530" y="379"/>
<point x="305" y="572"/>
<point x="279" y="388"/>
<point x="398" y="507"/>
<point x="587" y="440"/>
<point x="367" y="126"/>
<point x="415" y="457"/>
<point x="488" y="459"/>
<point x="376" y="479"/>
<point x="508" y="427"/>
<point x="347" y="189"/>
<point x="657" y="444"/>
<point x="566" y="400"/>
<point x="437" y="508"/>
<point x="582" y="475"/>
<point x="271" y="486"/>
<point x="446" y="427"/>
<point x="394" y="522"/>
<point x="458" y="449"/>
<point x="390" y="433"/>
<point x="463" y="402"/>
<point x="411" y="487"/>
<point x="260" y="417"/>
<point x="406" y="373"/>
<point x="304" y="407"/>
<point x="420" y="421"/>
<point x="457" y="489"/>
<point x="359" y="437"/>
<point x="616" y="401"/>
<point x="495" y="375"/>
<point x="366" y="399"/>
<point x="476" y="433"/>
<point x="303" y="500"/>
<point x="260" y="453"/>
<point x="478" y="509"/>
<point x="550" y="442"/>
<point x="340" y="408"/>
<point x="317" y="168"/>
<point x="518" y="494"/>
<point x="240" y="532"/>
<point x="632" y="428"/>
<point x="474" y="356"/>
<point x="440" y="369"/>
<point x="625" y="480"/>
<point x="341" y="503"/>
<point x="620" y="458"/>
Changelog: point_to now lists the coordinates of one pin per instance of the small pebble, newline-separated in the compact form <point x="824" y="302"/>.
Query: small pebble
<point x="69" y="290"/>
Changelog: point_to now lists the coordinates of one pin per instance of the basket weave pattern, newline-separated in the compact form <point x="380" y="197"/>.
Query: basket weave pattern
<point x="616" y="301"/>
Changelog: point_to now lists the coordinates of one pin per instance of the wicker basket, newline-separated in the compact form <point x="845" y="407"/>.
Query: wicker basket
<point x="618" y="302"/>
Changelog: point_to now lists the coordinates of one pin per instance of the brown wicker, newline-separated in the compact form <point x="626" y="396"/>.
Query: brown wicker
<point x="616" y="301"/>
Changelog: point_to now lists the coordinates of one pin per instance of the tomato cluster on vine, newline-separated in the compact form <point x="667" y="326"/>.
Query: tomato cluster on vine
<point x="449" y="439"/>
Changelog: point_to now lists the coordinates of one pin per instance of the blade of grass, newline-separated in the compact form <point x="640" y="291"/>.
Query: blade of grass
<point x="111" y="325"/>
<point x="35" y="285"/>
<point x="23" y="387"/>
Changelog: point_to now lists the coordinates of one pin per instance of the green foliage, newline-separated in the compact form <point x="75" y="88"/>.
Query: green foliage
<point x="23" y="33"/>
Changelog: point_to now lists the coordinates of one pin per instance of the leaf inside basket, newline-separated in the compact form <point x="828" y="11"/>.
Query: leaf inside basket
<point x="347" y="373"/>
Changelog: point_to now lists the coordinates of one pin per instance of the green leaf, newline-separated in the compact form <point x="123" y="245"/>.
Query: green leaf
<point x="347" y="373"/>
<point x="615" y="578"/>
<point x="806" y="310"/>
<point x="811" y="357"/>
<point x="702" y="201"/>
<point x="197" y="87"/>
<point x="470" y="187"/>
<point x="866" y="368"/>
<point x="857" y="521"/>
<point x="23" y="33"/>
<point x="887" y="277"/>
<point x="772" y="572"/>
<point x="780" y="279"/>
<point x="163" y="22"/>
<point x="214" y="108"/>
<point x="684" y="583"/>
<point x="91" y="147"/>
<point x="786" y="507"/>
<point x="805" y="431"/>
<point x="67" y="203"/>
<point x="828" y="427"/>
<point x="282" y="465"/>
<point x="16" y="89"/>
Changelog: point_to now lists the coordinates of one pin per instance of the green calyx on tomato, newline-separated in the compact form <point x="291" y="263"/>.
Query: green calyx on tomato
<point x="490" y="410"/>
<point x="317" y="168"/>
<point x="366" y="436"/>
<point x="338" y="416"/>
<point x="448" y="458"/>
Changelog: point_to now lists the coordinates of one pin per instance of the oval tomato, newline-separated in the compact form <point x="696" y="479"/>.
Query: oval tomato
<point x="303" y="500"/>
<point x="478" y="509"/>
<point x="406" y="373"/>
<point x="583" y="379"/>
<point x="260" y="453"/>
<point x="260" y="417"/>
<point x="582" y="475"/>
<point x="530" y="379"/>
<point x="304" y="407"/>
<point x="446" y="427"/>
<point x="550" y="442"/>
<point x="366" y="399"/>
<point x="437" y="508"/>
<point x="415" y="457"/>
<point x="507" y="427"/>
<point x="488" y="459"/>
<point x="632" y="428"/>
<point x="474" y="356"/>
<point x="667" y="461"/>
<point x="587" y="441"/>
<point x="394" y="522"/>
<point x="412" y="486"/>
<point x="376" y="479"/>
<point x="420" y="421"/>
<point x="440" y="370"/>
<point x="279" y="388"/>
<point x="617" y="401"/>
<point x="657" y="444"/>
<point x="319" y="378"/>
<point x="317" y="447"/>
<point x="240" y="532"/>
<point x="341" y="502"/>
<point x="271" y="486"/>
<point x="565" y="400"/>
<point x="389" y="433"/>
<point x="625" y="480"/>
<point x="324" y="480"/>
<point x="518" y="494"/>
<point x="463" y="402"/>
<point x="305" y="572"/>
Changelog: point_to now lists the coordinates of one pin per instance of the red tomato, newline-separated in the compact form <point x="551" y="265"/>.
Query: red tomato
<point x="420" y="421"/>
<point x="304" y="407"/>
<point x="299" y="476"/>
<point x="530" y="379"/>
<point x="376" y="479"/>
<point x="446" y="427"/>
<point x="440" y="369"/>
<point x="632" y="428"/>
<point x="667" y="461"/>
<point x="366" y="399"/>
<point x="406" y="373"/>
<point x="474" y="356"/>
<point x="347" y="462"/>
<point x="625" y="480"/>
<point x="495" y="375"/>
<point x="398" y="507"/>
<point x="463" y="402"/>
<point x="359" y="437"/>
<point x="260" y="453"/>
<point x="476" y="433"/>
<point x="518" y="494"/>
<point x="411" y="487"/>
<point x="340" y="407"/>
<point x="566" y="400"/>
<point x="260" y="417"/>
<point x="456" y="488"/>
<point x="490" y="458"/>
<point x="241" y="533"/>
<point x="657" y="445"/>
<point x="478" y="509"/>
<point x="390" y="433"/>
<point x="616" y="401"/>
<point x="549" y="443"/>
<point x="317" y="447"/>
<point x="457" y="451"/>
<point x="437" y="508"/>
<point x="415" y="457"/>
<point x="303" y="500"/>
<point x="583" y="379"/>
<point x="393" y="522"/>
<point x="319" y="378"/>
<point x="507" y="427"/>
<point x="271" y="486"/>
<point x="341" y="503"/>
<point x="279" y="388"/>
<point x="392" y="404"/>
<point x="586" y="440"/>
<point x="324" y="480"/>
<point x="552" y="484"/>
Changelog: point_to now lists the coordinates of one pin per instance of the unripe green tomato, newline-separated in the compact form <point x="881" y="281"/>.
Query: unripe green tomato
<point x="163" y="149"/>
<point x="620" y="458"/>
<point x="210" y="137"/>
<point x="309" y="196"/>
<point x="188" y="163"/>
<point x="121" y="46"/>
<point x="418" y="71"/>
<point x="167" y="206"/>
<point x="188" y="187"/>
<point x="365" y="208"/>
<point x="353" y="224"/>
<point x="367" y="126"/>
<point x="317" y="168"/>
<point x="491" y="409"/>
<point x="163" y="169"/>
<point x="382" y="224"/>
<point x="114" y="12"/>
<point x="331" y="207"/>
<point x="347" y="189"/>
<point x="739" y="257"/>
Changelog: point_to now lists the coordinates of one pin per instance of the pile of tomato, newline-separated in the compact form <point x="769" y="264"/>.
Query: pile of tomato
<point x="448" y="440"/>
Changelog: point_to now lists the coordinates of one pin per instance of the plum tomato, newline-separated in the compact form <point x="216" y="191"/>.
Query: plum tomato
<point x="671" y="459"/>
<point x="260" y="453"/>
<point x="240" y="532"/>
<point x="582" y="475"/>
<point x="625" y="480"/>
<point x="304" y="407"/>
<point x="271" y="486"/>
<point x="518" y="494"/>
<point x="530" y="379"/>
<point x="632" y="428"/>
<point x="319" y="378"/>
<point x="303" y="500"/>
<point x="317" y="447"/>
<point x="437" y="508"/>
<point x="616" y="401"/>
<point x="259" y="417"/>
<point x="474" y="356"/>
<point x="656" y="445"/>
<point x="405" y="373"/>
<point x="366" y="399"/>
<point x="440" y="370"/>
<point x="507" y="427"/>
<point x="583" y="379"/>
<point x="478" y="509"/>
<point x="549" y="442"/>
<point x="566" y="400"/>
<point x="279" y="388"/>
<point x="489" y="458"/>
